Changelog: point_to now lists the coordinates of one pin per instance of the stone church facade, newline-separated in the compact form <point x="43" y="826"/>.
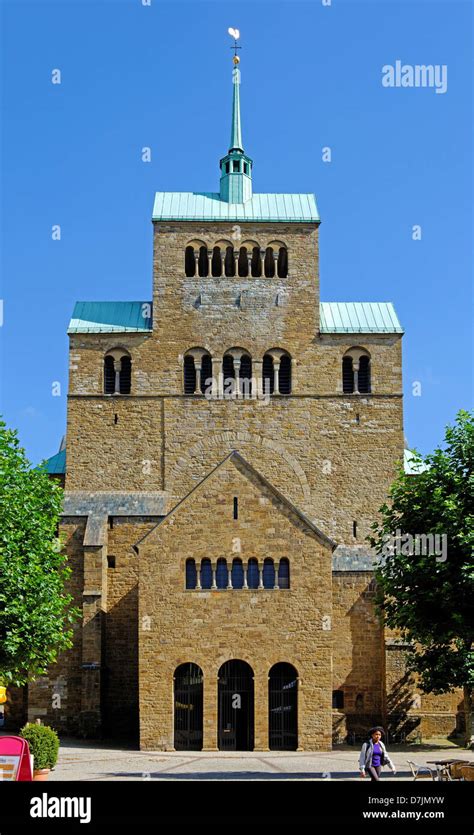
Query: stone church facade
<point x="229" y="443"/>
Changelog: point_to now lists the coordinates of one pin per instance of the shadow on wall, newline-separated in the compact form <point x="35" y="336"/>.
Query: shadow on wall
<point x="119" y="695"/>
<point x="363" y="687"/>
<point x="400" y="724"/>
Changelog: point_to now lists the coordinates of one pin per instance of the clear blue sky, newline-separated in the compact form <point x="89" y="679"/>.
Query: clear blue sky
<point x="160" y="76"/>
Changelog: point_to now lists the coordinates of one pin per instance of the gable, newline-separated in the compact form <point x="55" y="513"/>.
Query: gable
<point x="210" y="506"/>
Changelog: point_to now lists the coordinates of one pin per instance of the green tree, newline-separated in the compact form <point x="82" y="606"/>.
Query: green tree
<point x="35" y="613"/>
<point x="430" y="598"/>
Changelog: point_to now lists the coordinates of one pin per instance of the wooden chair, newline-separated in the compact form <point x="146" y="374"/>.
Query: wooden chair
<point x="454" y="768"/>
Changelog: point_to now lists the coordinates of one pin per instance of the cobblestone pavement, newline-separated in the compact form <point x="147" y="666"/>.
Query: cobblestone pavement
<point x="85" y="761"/>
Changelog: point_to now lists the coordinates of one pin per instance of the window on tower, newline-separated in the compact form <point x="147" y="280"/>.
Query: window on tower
<point x="283" y="262"/>
<point x="356" y="372"/>
<point x="229" y="263"/>
<point x="256" y="262"/>
<point x="216" y="262"/>
<point x="276" y="372"/>
<point x="364" y="375"/>
<point x="189" y="261"/>
<point x="243" y="262"/>
<point x="203" y="262"/>
<point x="197" y="371"/>
<point x="269" y="263"/>
<point x="117" y="372"/>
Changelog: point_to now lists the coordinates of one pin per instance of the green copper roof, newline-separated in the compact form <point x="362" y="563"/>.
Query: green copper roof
<point x="56" y="465"/>
<point x="359" y="317"/>
<point x="336" y="317"/>
<point x="236" y="128"/>
<point x="111" y="317"/>
<point x="186" y="205"/>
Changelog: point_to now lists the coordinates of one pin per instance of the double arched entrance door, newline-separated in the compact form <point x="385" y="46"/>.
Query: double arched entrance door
<point x="236" y="707"/>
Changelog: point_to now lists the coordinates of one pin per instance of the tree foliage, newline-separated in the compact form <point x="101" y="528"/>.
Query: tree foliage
<point x="429" y="597"/>
<point x="36" y="615"/>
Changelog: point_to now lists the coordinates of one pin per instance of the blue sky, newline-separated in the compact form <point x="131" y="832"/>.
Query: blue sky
<point x="159" y="75"/>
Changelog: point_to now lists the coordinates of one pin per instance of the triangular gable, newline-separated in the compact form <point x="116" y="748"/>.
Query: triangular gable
<point x="236" y="458"/>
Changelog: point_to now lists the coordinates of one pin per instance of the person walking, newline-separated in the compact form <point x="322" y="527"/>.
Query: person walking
<point x="374" y="755"/>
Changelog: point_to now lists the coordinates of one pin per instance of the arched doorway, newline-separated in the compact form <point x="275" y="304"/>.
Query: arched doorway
<point x="188" y="700"/>
<point x="283" y="708"/>
<point x="236" y="707"/>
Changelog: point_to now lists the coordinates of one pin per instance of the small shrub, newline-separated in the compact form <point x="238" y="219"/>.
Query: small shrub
<point x="44" y="744"/>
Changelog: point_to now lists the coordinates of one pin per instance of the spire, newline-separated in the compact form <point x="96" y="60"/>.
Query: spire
<point x="236" y="130"/>
<point x="236" y="167"/>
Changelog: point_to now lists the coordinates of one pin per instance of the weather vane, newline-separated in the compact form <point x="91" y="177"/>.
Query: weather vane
<point x="235" y="34"/>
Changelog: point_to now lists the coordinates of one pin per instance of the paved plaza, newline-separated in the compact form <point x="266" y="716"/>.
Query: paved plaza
<point x="91" y="761"/>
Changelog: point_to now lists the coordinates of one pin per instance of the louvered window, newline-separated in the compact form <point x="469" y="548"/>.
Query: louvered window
<point x="347" y="376"/>
<point x="285" y="374"/>
<point x="189" y="375"/>
<point x="246" y="375"/>
<point x="364" y="375"/>
<point x="268" y="375"/>
<point x="109" y="375"/>
<point x="125" y="375"/>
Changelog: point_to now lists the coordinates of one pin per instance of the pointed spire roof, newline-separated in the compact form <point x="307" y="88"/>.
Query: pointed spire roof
<point x="236" y="128"/>
<point x="236" y="166"/>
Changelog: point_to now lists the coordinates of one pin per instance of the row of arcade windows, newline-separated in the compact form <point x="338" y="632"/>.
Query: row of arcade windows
<point x="251" y="575"/>
<point x="227" y="261"/>
<point x="237" y="372"/>
<point x="236" y="365"/>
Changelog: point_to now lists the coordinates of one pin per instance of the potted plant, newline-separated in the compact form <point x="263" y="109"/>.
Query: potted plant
<point x="44" y="745"/>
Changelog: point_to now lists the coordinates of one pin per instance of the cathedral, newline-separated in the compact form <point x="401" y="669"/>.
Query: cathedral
<point x="229" y="443"/>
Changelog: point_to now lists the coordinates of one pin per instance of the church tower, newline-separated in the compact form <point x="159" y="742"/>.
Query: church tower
<point x="229" y="443"/>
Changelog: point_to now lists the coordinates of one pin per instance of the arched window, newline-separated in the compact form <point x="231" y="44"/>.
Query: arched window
<point x="125" y="375"/>
<point x="243" y="262"/>
<point x="222" y="574"/>
<point x="356" y="372"/>
<point x="347" y="376"/>
<point x="229" y="263"/>
<point x="216" y="262"/>
<point x="228" y="373"/>
<point x="364" y="375"/>
<point x="252" y="574"/>
<point x="269" y="263"/>
<point x="268" y="573"/>
<point x="284" y="574"/>
<point x="109" y="375"/>
<point x="189" y="261"/>
<point x="189" y="375"/>
<point x="237" y="574"/>
<point x="206" y="373"/>
<point x="245" y="374"/>
<point x="206" y="574"/>
<point x="268" y="375"/>
<point x="285" y="374"/>
<point x="203" y="265"/>
<point x="256" y="262"/>
<point x="117" y="372"/>
<point x="191" y="574"/>
<point x="359" y="702"/>
<point x="283" y="262"/>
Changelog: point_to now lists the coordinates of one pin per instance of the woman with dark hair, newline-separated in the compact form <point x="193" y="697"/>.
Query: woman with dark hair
<point x="374" y="755"/>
